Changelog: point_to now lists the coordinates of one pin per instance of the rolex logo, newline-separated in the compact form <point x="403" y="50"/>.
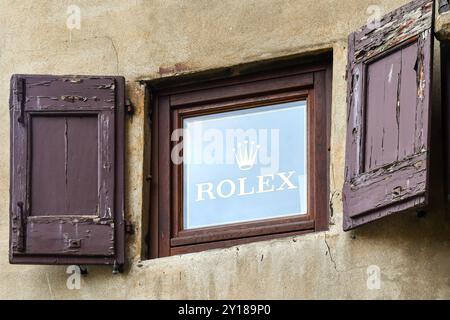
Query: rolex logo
<point x="246" y="154"/>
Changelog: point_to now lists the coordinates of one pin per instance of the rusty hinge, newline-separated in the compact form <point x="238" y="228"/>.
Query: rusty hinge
<point x="130" y="107"/>
<point x="74" y="243"/>
<point x="74" y="99"/>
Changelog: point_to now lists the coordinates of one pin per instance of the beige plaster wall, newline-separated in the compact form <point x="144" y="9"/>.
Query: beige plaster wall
<point x="147" y="39"/>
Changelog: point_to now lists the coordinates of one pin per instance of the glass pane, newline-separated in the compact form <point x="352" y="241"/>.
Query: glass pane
<point x="245" y="165"/>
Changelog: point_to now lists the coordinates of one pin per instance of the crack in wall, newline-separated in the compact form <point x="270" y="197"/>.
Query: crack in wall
<point x="332" y="198"/>
<point x="330" y="254"/>
<point x="115" y="52"/>
<point x="113" y="44"/>
<point x="49" y="286"/>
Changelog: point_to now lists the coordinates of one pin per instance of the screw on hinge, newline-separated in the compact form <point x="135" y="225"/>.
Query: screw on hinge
<point x="130" y="107"/>
<point x="117" y="268"/>
<point x="74" y="243"/>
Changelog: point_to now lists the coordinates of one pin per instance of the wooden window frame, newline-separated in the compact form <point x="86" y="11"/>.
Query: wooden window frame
<point x="171" y="103"/>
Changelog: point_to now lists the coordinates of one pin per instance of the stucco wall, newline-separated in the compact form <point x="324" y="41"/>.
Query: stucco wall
<point x="147" y="39"/>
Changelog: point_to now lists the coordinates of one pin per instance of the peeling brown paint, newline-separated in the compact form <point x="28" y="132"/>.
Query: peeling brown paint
<point x="401" y="25"/>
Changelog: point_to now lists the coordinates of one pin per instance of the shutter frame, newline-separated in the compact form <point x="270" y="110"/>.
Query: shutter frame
<point x="373" y="193"/>
<point x="38" y="238"/>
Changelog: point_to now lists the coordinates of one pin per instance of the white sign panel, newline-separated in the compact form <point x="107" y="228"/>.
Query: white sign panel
<point x="245" y="165"/>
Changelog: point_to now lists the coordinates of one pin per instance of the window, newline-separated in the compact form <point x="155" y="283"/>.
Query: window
<point x="251" y="184"/>
<point x="389" y="109"/>
<point x="240" y="159"/>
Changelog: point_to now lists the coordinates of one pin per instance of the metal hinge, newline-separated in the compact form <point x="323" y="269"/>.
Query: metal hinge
<point x="19" y="221"/>
<point x="117" y="268"/>
<point x="130" y="107"/>
<point x="444" y="6"/>
<point x="74" y="243"/>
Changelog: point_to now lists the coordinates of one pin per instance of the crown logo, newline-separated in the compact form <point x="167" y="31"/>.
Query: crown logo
<point x="245" y="155"/>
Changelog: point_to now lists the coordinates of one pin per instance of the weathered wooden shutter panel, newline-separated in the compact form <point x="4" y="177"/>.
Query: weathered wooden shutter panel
<point x="389" y="103"/>
<point x="67" y="149"/>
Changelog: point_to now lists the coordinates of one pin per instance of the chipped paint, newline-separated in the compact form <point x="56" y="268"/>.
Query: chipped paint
<point x="149" y="34"/>
<point x="395" y="28"/>
<point x="383" y="165"/>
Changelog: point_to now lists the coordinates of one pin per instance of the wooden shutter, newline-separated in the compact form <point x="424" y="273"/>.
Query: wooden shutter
<point x="389" y="103"/>
<point x="67" y="147"/>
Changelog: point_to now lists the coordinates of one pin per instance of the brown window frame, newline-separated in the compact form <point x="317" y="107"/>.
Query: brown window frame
<point x="175" y="99"/>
